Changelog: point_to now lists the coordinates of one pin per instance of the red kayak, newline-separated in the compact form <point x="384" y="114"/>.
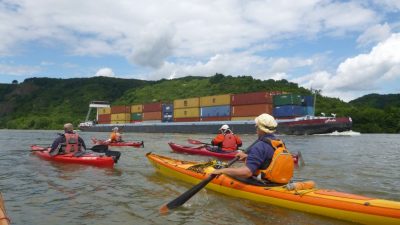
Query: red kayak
<point x="202" y="150"/>
<point x="87" y="159"/>
<point x="135" y="144"/>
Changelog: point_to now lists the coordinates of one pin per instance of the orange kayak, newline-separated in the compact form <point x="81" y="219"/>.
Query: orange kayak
<point x="340" y="205"/>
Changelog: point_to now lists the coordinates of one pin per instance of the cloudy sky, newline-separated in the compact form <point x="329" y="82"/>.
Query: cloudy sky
<point x="344" y="48"/>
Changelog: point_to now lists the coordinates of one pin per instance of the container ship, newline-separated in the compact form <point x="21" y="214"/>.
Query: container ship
<point x="294" y="114"/>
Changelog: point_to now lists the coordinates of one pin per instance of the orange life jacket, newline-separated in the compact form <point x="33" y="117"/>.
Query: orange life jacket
<point x="115" y="137"/>
<point x="229" y="143"/>
<point x="71" y="143"/>
<point x="280" y="170"/>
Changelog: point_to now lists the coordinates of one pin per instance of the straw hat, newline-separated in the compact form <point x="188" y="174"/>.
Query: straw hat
<point x="266" y="123"/>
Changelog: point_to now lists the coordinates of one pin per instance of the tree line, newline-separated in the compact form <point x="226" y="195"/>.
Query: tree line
<point x="47" y="103"/>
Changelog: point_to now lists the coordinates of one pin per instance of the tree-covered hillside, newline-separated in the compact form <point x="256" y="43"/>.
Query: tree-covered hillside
<point x="44" y="103"/>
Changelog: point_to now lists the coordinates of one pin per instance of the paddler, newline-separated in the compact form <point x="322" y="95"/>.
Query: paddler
<point x="115" y="136"/>
<point x="69" y="142"/>
<point x="261" y="154"/>
<point x="225" y="141"/>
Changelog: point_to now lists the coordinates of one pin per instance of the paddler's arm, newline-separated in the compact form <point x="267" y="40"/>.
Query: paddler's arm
<point x="242" y="172"/>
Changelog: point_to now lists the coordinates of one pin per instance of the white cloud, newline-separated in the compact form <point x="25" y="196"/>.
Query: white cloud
<point x="361" y="74"/>
<point x="149" y="32"/>
<point x="18" y="70"/>
<point x="374" y="35"/>
<point x="105" y="72"/>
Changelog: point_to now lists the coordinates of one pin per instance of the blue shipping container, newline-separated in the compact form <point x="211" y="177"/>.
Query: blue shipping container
<point x="167" y="117"/>
<point x="308" y="110"/>
<point x="167" y="108"/>
<point x="215" y="111"/>
<point x="308" y="100"/>
<point x="288" y="111"/>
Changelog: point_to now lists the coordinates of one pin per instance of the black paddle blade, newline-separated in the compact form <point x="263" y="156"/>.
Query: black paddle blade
<point x="99" y="148"/>
<point x="186" y="196"/>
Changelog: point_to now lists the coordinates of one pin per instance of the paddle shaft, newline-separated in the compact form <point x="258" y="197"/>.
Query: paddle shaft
<point x="189" y="193"/>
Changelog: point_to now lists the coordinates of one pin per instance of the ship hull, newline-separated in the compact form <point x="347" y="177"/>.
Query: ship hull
<point x="291" y="127"/>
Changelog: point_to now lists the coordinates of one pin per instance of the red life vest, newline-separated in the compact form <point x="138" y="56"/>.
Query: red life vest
<point x="229" y="143"/>
<point x="71" y="144"/>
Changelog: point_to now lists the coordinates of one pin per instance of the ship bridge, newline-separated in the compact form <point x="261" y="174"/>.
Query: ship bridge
<point x="94" y="104"/>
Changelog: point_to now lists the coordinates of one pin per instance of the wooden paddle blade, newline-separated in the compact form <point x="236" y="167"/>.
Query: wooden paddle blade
<point x="300" y="157"/>
<point x="186" y="196"/>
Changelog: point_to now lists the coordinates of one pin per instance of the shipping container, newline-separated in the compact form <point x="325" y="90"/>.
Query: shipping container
<point x="152" y="107"/>
<point x="151" y="121"/>
<point x="121" y="117"/>
<point x="308" y="110"/>
<point x="168" y="108"/>
<point x="243" y="118"/>
<point x="136" y="121"/>
<point x="215" y="111"/>
<point x="288" y="110"/>
<point x="187" y="103"/>
<point x="215" y="100"/>
<point x="287" y="99"/>
<point x="137" y="108"/>
<point x="308" y="100"/>
<point x="167" y="117"/>
<point x="137" y="116"/>
<point x="120" y="109"/>
<point x="151" y="116"/>
<point x="216" y="118"/>
<point x="104" y="122"/>
<point x="102" y="111"/>
<point x="186" y="112"/>
<point x="119" y="122"/>
<point x="251" y="110"/>
<point x="104" y="118"/>
<point x="251" y="98"/>
<point x="193" y="119"/>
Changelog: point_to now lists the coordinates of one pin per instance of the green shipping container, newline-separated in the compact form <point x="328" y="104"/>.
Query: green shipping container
<point x="287" y="99"/>
<point x="136" y="116"/>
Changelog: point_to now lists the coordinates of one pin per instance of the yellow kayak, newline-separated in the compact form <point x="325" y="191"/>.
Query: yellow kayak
<point x="340" y="205"/>
<point x="4" y="220"/>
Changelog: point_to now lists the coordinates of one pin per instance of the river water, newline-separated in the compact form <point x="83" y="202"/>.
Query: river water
<point x="42" y="192"/>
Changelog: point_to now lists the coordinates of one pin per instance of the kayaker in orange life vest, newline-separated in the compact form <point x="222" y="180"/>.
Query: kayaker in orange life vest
<point x="260" y="154"/>
<point x="69" y="142"/>
<point x="226" y="140"/>
<point x="115" y="136"/>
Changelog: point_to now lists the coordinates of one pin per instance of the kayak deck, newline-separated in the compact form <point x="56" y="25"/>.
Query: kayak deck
<point x="329" y="203"/>
<point x="86" y="159"/>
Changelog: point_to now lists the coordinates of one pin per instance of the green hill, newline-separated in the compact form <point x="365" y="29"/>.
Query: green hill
<point x="46" y="103"/>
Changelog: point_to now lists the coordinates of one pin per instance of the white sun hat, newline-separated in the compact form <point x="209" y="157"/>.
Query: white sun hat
<point x="266" y="123"/>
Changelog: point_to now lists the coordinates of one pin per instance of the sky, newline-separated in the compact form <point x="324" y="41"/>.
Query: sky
<point x="345" y="49"/>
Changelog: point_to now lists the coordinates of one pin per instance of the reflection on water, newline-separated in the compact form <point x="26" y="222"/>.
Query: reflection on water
<point x="43" y="192"/>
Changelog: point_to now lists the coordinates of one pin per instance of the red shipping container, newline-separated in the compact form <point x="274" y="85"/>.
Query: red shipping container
<point x="120" y="109"/>
<point x="151" y="116"/>
<point x="192" y="119"/>
<point x="104" y="118"/>
<point x="216" y="118"/>
<point x="251" y="98"/>
<point x="152" y="107"/>
<point x="251" y="110"/>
